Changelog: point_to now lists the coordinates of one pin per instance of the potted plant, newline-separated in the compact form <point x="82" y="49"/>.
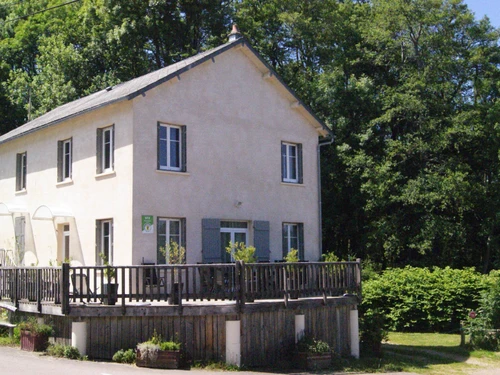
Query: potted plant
<point x="241" y="252"/>
<point x="110" y="288"/>
<point x="313" y="354"/>
<point x="174" y="254"/>
<point x="158" y="353"/>
<point x="34" y="335"/>
<point x="292" y="282"/>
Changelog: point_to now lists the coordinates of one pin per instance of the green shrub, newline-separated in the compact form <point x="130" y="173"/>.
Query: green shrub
<point x="311" y="345"/>
<point x="422" y="299"/>
<point x="124" y="356"/>
<point x="66" y="351"/>
<point x="32" y="325"/>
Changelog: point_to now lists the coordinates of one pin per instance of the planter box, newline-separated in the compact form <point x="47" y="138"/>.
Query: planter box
<point x="33" y="342"/>
<point x="313" y="361"/>
<point x="170" y="359"/>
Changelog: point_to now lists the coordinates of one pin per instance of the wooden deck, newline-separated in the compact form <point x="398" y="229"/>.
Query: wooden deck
<point x="71" y="291"/>
<point x="263" y="297"/>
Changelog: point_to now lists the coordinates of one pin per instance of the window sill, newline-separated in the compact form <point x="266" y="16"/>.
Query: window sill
<point x="102" y="176"/>
<point x="177" y="173"/>
<point x="21" y="192"/>
<point x="292" y="184"/>
<point x="67" y="182"/>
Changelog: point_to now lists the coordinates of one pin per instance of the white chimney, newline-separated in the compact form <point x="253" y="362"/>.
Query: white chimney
<point x="235" y="33"/>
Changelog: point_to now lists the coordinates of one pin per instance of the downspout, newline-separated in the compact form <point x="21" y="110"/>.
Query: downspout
<point x="327" y="141"/>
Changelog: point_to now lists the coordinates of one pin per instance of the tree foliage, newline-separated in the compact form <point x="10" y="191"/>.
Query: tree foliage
<point x="410" y="89"/>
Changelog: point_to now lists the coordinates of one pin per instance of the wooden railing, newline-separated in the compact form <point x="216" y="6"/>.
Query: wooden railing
<point x="178" y="284"/>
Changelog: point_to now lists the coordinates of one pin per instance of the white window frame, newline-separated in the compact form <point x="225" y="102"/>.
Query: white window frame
<point x="233" y="232"/>
<point x="67" y="160"/>
<point x="290" y="166"/>
<point x="166" y="165"/>
<point x="105" y="239"/>
<point x="107" y="157"/>
<point x="21" y="171"/>
<point x="287" y="232"/>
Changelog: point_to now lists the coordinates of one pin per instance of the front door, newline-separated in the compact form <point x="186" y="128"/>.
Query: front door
<point x="232" y="232"/>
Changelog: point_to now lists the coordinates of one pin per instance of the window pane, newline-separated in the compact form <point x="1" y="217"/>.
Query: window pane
<point x="174" y="154"/>
<point x="175" y="228"/>
<point x="233" y="224"/>
<point x="283" y="162"/>
<point x="163" y="153"/>
<point x="163" y="132"/>
<point x="175" y="134"/>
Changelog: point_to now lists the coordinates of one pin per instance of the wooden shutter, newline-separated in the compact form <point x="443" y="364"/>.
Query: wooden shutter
<point x="60" y="156"/>
<point x="299" y="164"/>
<point x="211" y="246"/>
<point x="301" y="240"/>
<point x="99" y="151"/>
<point x="261" y="240"/>
<point x="183" y="149"/>
<point x="112" y="151"/>
<point x="158" y="127"/>
<point x="19" y="171"/>
<point x="183" y="234"/>
<point x="284" y="242"/>
<point x="283" y="165"/>
<point x="71" y="157"/>
<point x="98" y="231"/>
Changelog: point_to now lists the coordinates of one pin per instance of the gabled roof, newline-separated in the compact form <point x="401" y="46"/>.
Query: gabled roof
<point x="130" y="89"/>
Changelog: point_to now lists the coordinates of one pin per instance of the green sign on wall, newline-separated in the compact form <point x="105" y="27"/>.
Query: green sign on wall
<point x="148" y="224"/>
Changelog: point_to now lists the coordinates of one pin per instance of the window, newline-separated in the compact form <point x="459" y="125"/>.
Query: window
<point x="232" y="232"/>
<point x="21" y="171"/>
<point x="217" y="234"/>
<point x="65" y="243"/>
<point x="104" y="241"/>
<point x="293" y="238"/>
<point x="170" y="230"/>
<point x="291" y="163"/>
<point x="64" y="160"/>
<point x="105" y="149"/>
<point x="171" y="147"/>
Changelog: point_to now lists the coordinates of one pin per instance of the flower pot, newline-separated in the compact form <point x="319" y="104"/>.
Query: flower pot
<point x="110" y="291"/>
<point x="174" y="298"/>
<point x="169" y="359"/>
<point x="313" y="361"/>
<point x="33" y="342"/>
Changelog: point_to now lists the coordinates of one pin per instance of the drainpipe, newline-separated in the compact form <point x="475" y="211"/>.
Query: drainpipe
<point x="325" y="142"/>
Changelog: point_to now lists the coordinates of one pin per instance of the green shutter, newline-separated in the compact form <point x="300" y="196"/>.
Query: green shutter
<point x="60" y="156"/>
<point x="158" y="126"/>
<point x="113" y="148"/>
<point x="18" y="171"/>
<point x="299" y="162"/>
<point x="301" y="241"/>
<point x="98" y="260"/>
<point x="261" y="240"/>
<point x="183" y="233"/>
<point x="71" y="157"/>
<point x="284" y="242"/>
<point x="211" y="247"/>
<point x="99" y="151"/>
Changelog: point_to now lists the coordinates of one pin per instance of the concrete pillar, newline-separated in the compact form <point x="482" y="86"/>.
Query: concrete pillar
<point x="79" y="336"/>
<point x="300" y="327"/>
<point x="233" y="342"/>
<point x="354" y="333"/>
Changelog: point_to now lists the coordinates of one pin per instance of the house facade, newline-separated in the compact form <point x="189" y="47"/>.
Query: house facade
<point x="213" y="149"/>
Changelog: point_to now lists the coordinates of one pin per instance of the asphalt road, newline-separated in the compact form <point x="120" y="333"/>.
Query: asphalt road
<point x="13" y="361"/>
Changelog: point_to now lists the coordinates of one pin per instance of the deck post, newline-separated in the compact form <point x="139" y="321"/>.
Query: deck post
<point x="233" y="342"/>
<point x="39" y="289"/>
<point x="354" y="333"/>
<point x="240" y="283"/>
<point x="15" y="287"/>
<point x="65" y="288"/>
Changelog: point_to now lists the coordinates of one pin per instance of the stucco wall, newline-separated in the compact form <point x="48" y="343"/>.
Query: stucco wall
<point x="87" y="196"/>
<point x="235" y="122"/>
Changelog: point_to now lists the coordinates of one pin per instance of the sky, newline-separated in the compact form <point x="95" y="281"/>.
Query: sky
<point x="490" y="8"/>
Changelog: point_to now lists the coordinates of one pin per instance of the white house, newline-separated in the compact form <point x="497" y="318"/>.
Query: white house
<point x="212" y="149"/>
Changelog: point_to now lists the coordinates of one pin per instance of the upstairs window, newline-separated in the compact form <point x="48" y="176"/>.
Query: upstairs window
<point x="21" y="171"/>
<point x="105" y="149"/>
<point x="171" y="148"/>
<point x="291" y="163"/>
<point x="64" y="160"/>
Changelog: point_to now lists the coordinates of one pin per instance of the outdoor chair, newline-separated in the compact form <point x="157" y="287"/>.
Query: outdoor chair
<point x="81" y="288"/>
